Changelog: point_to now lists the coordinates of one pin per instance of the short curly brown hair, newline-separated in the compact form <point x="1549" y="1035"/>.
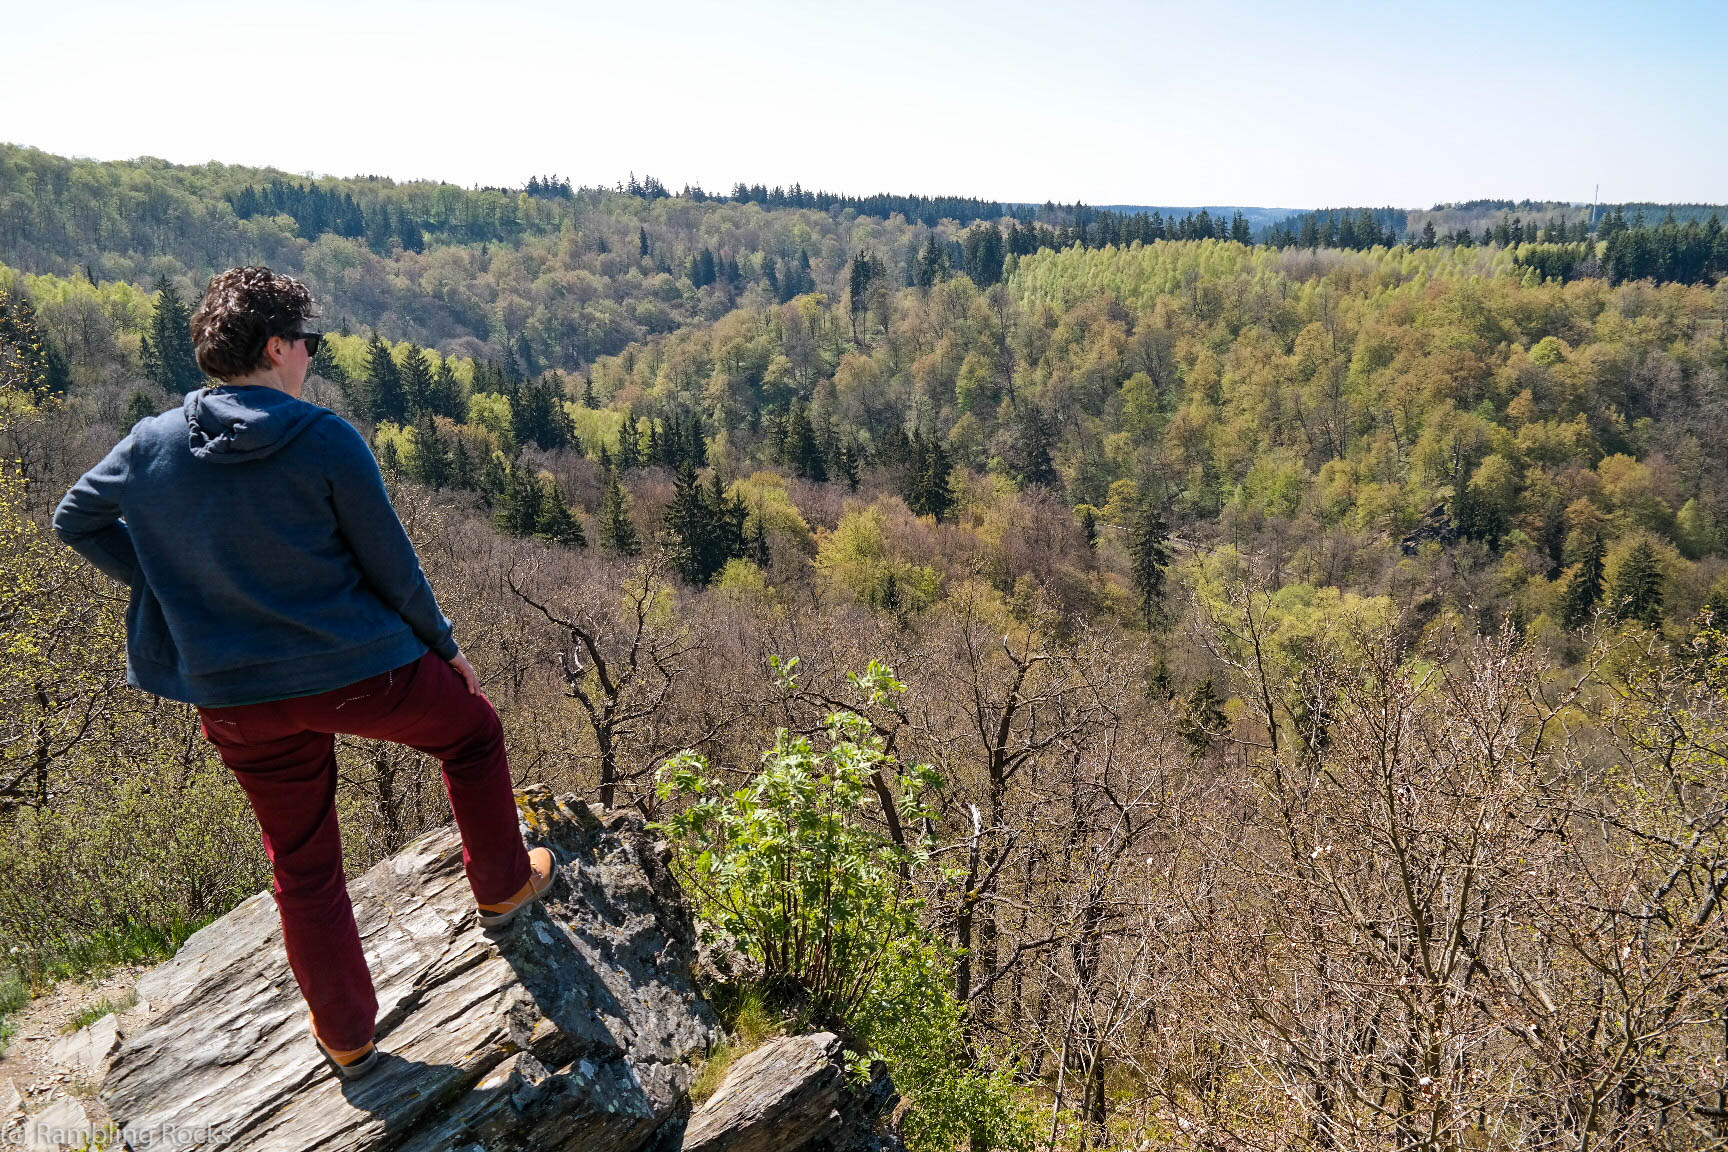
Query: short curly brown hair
<point x="241" y="310"/>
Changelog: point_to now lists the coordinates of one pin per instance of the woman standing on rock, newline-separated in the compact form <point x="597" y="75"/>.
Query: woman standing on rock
<point x="272" y="586"/>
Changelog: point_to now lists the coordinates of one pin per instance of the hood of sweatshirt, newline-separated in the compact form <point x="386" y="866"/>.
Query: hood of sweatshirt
<point x="249" y="422"/>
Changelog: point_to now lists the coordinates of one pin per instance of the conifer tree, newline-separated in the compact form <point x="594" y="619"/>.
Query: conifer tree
<point x="415" y="373"/>
<point x="380" y="230"/>
<point x="687" y="523"/>
<point x="924" y="482"/>
<point x="846" y="464"/>
<point x="434" y="466"/>
<point x="140" y="405"/>
<point x="1638" y="586"/>
<point x="324" y="365"/>
<point x="169" y="357"/>
<point x="1584" y="587"/>
<point x="519" y="510"/>
<point x="383" y="398"/>
<point x="493" y="482"/>
<point x="28" y="360"/>
<point x="706" y="527"/>
<point x="447" y="396"/>
<point x="1202" y="718"/>
<point x="858" y="288"/>
<point x="557" y="522"/>
<point x="617" y="529"/>
<point x="462" y="466"/>
<point x="730" y="515"/>
<point x="1149" y="554"/>
<point x="982" y="244"/>
<point x="799" y="448"/>
<point x="629" y="445"/>
<point x="932" y="263"/>
<point x="756" y="540"/>
<point x="538" y="414"/>
<point x="409" y="234"/>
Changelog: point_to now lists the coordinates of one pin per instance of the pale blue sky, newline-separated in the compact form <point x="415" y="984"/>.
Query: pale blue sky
<point x="1237" y="102"/>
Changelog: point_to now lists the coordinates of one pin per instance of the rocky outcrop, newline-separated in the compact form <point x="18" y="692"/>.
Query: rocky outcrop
<point x="1435" y="527"/>
<point x="578" y="1028"/>
<point x="787" y="1095"/>
<point x="575" y="1028"/>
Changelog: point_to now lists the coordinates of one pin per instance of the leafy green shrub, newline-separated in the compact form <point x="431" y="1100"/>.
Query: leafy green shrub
<point x="789" y="867"/>
<point x="794" y="868"/>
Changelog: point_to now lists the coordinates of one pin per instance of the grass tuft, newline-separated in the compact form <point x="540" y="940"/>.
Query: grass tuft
<point x="750" y="1017"/>
<point x="101" y="1008"/>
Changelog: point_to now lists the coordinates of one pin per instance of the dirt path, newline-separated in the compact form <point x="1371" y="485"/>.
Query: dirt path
<point x="29" y="1065"/>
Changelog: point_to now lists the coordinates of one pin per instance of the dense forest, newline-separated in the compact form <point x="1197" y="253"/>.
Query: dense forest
<point x="1286" y="663"/>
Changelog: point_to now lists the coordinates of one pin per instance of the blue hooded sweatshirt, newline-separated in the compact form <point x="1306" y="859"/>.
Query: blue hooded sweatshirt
<point x="261" y="550"/>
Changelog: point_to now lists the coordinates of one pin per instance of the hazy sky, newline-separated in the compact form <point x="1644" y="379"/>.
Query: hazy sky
<point x="1232" y="102"/>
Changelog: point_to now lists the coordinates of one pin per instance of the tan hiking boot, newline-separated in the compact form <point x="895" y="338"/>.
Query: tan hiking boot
<point x="352" y="1063"/>
<point x="540" y="878"/>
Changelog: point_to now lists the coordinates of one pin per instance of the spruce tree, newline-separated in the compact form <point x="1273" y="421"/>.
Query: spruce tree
<point x="1638" y="586"/>
<point x="169" y="357"/>
<point x="705" y="525"/>
<point x="858" y="288"/>
<point x="1584" y="587"/>
<point x="380" y="230"/>
<point x="557" y="522"/>
<point x="493" y="482"/>
<point x="629" y="445"/>
<point x="141" y="405"/>
<point x="1202" y="718"/>
<point x="324" y="365"/>
<point x="617" y="529"/>
<point x="846" y="464"/>
<point x="519" y="510"/>
<point x="1149" y="554"/>
<point x="409" y="233"/>
<point x="434" y="466"/>
<point x="462" y="473"/>
<point x="416" y="377"/>
<point x="383" y="398"/>
<point x="729" y="516"/>
<point x="687" y="522"/>
<point x="924" y="481"/>
<point x="28" y="361"/>
<point x="756" y="540"/>
<point x="800" y="449"/>
<point x="448" y="397"/>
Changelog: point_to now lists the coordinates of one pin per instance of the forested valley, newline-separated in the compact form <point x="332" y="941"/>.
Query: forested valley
<point x="1269" y="674"/>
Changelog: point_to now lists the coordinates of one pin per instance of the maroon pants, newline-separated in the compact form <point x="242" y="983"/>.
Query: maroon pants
<point x="284" y="754"/>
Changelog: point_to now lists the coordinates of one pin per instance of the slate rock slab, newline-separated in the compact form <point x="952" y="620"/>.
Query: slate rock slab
<point x="574" y="1028"/>
<point x="781" y="1097"/>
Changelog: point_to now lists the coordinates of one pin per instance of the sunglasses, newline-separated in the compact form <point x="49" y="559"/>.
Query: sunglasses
<point x="311" y="338"/>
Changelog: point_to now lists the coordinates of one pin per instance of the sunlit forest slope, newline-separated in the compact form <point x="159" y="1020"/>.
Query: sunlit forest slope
<point x="1260" y="688"/>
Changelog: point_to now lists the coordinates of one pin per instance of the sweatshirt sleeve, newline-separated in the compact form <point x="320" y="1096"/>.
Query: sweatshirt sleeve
<point x="88" y="518"/>
<point x="374" y="534"/>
